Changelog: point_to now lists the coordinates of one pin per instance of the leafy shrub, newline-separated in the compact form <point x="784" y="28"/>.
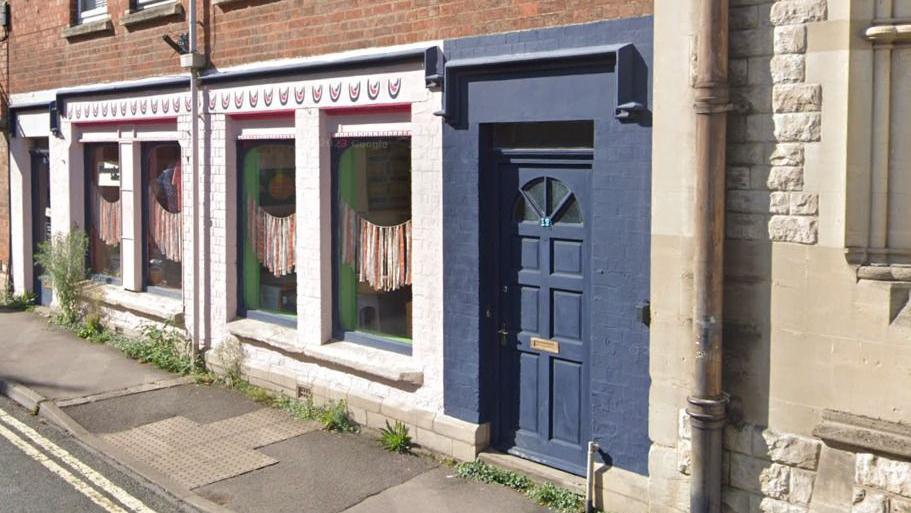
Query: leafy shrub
<point x="395" y="438"/>
<point x="165" y="348"/>
<point x="479" y="471"/>
<point x="334" y="417"/>
<point x="93" y="330"/>
<point x="63" y="260"/>
<point x="556" y="498"/>
<point x="20" y="301"/>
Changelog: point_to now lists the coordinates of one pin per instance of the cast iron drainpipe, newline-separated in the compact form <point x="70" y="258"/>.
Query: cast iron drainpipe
<point x="707" y="401"/>
<point x="193" y="61"/>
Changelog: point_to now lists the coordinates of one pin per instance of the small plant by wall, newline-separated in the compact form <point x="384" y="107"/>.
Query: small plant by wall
<point x="547" y="495"/>
<point x="395" y="438"/>
<point x="164" y="347"/>
<point x="63" y="260"/>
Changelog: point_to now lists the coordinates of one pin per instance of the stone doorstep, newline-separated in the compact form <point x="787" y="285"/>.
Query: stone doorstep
<point x="534" y="471"/>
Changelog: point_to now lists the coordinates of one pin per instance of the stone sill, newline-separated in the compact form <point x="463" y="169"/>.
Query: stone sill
<point x="884" y="272"/>
<point x="387" y="366"/>
<point x="864" y="434"/>
<point x="131" y="18"/>
<point x="232" y="3"/>
<point x="97" y="26"/>
<point x="153" y="306"/>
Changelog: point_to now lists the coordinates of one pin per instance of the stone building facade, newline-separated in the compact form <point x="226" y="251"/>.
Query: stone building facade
<point x="549" y="150"/>
<point x="816" y="316"/>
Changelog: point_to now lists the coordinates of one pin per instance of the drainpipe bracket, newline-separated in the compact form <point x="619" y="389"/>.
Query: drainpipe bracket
<point x="192" y="61"/>
<point x="708" y="413"/>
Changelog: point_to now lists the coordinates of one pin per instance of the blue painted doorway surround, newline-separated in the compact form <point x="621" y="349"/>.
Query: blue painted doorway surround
<point x="596" y="73"/>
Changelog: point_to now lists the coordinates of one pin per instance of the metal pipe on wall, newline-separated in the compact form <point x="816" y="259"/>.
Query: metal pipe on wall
<point x="194" y="171"/>
<point x="707" y="401"/>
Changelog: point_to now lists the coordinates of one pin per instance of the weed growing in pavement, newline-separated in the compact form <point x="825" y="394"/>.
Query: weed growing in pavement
<point x="547" y="495"/>
<point x="93" y="330"/>
<point x="556" y="498"/>
<point x="63" y="261"/>
<point x="334" y="417"/>
<point x="24" y="301"/>
<point x="395" y="438"/>
<point x="164" y="347"/>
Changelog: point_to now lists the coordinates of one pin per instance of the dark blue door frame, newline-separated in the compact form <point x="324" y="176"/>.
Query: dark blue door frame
<point x="40" y="170"/>
<point x="541" y="287"/>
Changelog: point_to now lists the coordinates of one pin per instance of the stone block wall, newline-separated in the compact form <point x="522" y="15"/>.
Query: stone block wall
<point x="763" y="471"/>
<point x="882" y="485"/>
<point x="777" y="114"/>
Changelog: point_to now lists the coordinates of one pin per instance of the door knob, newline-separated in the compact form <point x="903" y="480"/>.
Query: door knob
<point x="503" y="332"/>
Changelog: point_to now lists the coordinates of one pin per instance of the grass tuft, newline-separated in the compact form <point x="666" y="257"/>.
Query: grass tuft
<point x="395" y="438"/>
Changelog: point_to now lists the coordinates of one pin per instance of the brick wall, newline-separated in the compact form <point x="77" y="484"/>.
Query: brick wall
<point x="255" y="30"/>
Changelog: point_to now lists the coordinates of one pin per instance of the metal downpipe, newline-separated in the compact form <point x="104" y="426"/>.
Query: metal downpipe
<point x="707" y="401"/>
<point x="194" y="167"/>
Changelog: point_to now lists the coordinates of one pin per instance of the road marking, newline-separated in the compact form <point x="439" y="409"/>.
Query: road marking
<point x="80" y="485"/>
<point x="100" y="481"/>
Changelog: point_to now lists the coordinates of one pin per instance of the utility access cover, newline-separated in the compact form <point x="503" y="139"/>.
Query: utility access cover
<point x="199" y="454"/>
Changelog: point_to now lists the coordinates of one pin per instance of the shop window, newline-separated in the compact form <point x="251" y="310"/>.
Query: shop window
<point x="372" y="179"/>
<point x="268" y="280"/>
<point x="103" y="209"/>
<point x="90" y="10"/>
<point x="162" y="197"/>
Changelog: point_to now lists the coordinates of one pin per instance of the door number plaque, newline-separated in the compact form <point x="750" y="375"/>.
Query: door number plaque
<point x="546" y="345"/>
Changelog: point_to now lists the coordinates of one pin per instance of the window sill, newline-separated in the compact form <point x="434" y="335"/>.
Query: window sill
<point x="237" y="3"/>
<point x="349" y="357"/>
<point x="89" y="28"/>
<point x="132" y="18"/>
<point x="884" y="272"/>
<point x="153" y="306"/>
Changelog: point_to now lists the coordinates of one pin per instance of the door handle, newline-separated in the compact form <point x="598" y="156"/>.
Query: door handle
<point x="503" y="332"/>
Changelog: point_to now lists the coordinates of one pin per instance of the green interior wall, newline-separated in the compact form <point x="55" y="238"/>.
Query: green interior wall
<point x="250" y="191"/>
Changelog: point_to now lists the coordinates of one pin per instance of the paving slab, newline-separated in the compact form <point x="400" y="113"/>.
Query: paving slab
<point x="58" y="365"/>
<point x="440" y="491"/>
<point x="318" y="472"/>
<point x="202" y="404"/>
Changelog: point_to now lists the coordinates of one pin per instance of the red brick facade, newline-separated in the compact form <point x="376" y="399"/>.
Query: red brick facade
<point x="243" y="31"/>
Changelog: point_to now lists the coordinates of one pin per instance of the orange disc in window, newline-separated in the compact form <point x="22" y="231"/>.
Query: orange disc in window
<point x="281" y="186"/>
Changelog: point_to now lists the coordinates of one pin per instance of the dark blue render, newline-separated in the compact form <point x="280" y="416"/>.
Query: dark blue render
<point x="619" y="224"/>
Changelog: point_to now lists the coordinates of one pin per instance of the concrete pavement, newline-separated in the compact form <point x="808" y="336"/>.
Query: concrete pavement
<point x="27" y="485"/>
<point x="43" y="358"/>
<point x="214" y="448"/>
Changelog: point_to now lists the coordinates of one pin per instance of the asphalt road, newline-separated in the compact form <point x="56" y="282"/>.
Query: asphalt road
<point x="44" y="470"/>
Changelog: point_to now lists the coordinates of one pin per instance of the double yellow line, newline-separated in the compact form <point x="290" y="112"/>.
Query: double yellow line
<point x="73" y="471"/>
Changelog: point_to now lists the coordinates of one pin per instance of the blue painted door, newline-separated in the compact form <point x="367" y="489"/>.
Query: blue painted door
<point x="543" y="314"/>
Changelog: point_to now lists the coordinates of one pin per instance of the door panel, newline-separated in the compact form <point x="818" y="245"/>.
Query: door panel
<point x="543" y="310"/>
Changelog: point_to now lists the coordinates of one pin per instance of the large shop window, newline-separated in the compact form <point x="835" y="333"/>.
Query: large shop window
<point x="163" y="227"/>
<point x="103" y="210"/>
<point x="267" y="195"/>
<point x="373" y="238"/>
